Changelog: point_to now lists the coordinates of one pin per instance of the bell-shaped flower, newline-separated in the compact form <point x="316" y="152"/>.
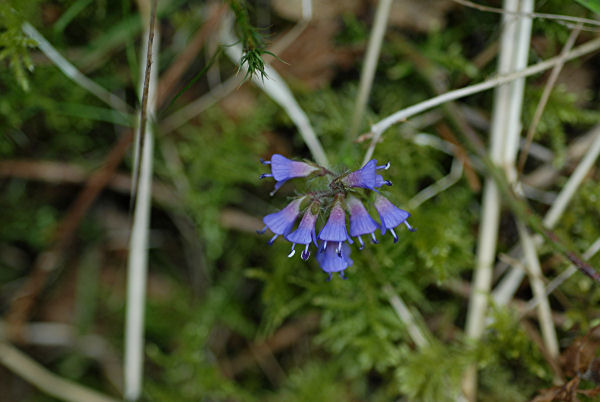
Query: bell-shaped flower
<point x="282" y="222"/>
<point x="332" y="261"/>
<point x="391" y="216"/>
<point x="365" y="177"/>
<point x="361" y="222"/>
<point x="305" y="233"/>
<point x="335" y="228"/>
<point x="283" y="169"/>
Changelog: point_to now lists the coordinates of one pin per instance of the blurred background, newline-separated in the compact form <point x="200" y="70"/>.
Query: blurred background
<point x="227" y="317"/>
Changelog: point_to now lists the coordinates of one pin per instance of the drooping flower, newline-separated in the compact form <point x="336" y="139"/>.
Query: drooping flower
<point x="305" y="231"/>
<point x="332" y="261"/>
<point x="283" y="169"/>
<point x="361" y="222"/>
<point x="282" y="222"/>
<point x="335" y="228"/>
<point x="338" y="198"/>
<point x="365" y="177"/>
<point x="391" y="216"/>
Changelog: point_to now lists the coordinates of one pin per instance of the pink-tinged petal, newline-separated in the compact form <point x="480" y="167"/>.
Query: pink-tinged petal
<point x="390" y="215"/>
<point x="283" y="168"/>
<point x="365" y="177"/>
<point x="282" y="222"/>
<point x="360" y="221"/>
<point x="305" y="232"/>
<point x="335" y="228"/>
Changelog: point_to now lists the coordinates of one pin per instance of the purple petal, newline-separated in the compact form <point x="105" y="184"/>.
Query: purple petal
<point x="335" y="228"/>
<point x="306" y="228"/>
<point x="364" y="177"/>
<point x="283" y="168"/>
<point x="282" y="222"/>
<point x="329" y="260"/>
<point x="390" y="215"/>
<point x="360" y="221"/>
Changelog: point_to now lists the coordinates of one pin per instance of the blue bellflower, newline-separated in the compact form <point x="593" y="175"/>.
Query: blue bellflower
<point x="391" y="216"/>
<point x="305" y="233"/>
<point x="331" y="261"/>
<point x="282" y="222"/>
<point x="335" y="228"/>
<point x="343" y="194"/>
<point x="366" y="177"/>
<point x="283" y="169"/>
<point x="361" y="222"/>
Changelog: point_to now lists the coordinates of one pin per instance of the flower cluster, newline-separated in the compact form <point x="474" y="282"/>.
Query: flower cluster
<point x="343" y="195"/>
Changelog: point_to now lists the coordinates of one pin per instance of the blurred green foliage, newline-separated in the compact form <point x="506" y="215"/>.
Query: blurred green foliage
<point x="361" y="349"/>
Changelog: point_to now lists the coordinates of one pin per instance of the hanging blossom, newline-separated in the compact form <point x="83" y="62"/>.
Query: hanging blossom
<point x="344" y="195"/>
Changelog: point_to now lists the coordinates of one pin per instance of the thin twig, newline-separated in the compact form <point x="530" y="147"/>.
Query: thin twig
<point x="439" y="186"/>
<point x="369" y="65"/>
<point x="557" y="17"/>
<point x="194" y="108"/>
<point x="566" y="274"/>
<point x="72" y="72"/>
<point x="544" y="98"/>
<point x="568" y="191"/>
<point x="284" y="337"/>
<point x="380" y="127"/>
<point x="46" y="381"/>
<point x="505" y="290"/>
<point x="48" y="260"/>
<point x="406" y="316"/>
<point x="138" y="246"/>
<point x="141" y="137"/>
<point x="170" y="77"/>
<point x="274" y="86"/>
<point x="536" y="278"/>
<point x="68" y="173"/>
<point x="54" y="334"/>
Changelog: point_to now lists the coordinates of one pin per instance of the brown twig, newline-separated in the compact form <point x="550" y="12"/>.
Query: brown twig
<point x="537" y="339"/>
<point x="561" y="19"/>
<point x="141" y="138"/>
<point x="460" y="153"/>
<point x="21" y="305"/>
<point x="23" y="301"/>
<point x="544" y="99"/>
<point x="68" y="173"/>
<point x="283" y="338"/>
<point x="173" y="74"/>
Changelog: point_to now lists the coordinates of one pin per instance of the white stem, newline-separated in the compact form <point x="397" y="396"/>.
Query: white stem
<point x="46" y="381"/>
<point x="506" y="289"/>
<point x="539" y="290"/>
<point x="505" y="131"/>
<point x="307" y="10"/>
<point x="439" y="186"/>
<point x="529" y="15"/>
<point x="406" y="317"/>
<point x="546" y="94"/>
<point x="138" y="246"/>
<point x="370" y="63"/>
<point x="274" y="86"/>
<point x="566" y="194"/>
<point x="378" y="128"/>
<point x="72" y="72"/>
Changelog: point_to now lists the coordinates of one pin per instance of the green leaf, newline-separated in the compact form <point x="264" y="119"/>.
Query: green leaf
<point x="593" y="5"/>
